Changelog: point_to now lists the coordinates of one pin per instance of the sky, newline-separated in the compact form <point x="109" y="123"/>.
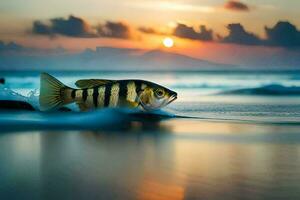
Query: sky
<point x="248" y="32"/>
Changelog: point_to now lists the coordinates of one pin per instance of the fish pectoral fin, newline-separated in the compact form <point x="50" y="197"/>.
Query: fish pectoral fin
<point x="133" y="104"/>
<point x="128" y="104"/>
<point x="82" y="106"/>
<point x="89" y="83"/>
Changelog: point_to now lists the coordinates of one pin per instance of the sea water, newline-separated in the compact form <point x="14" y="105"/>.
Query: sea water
<point x="229" y="135"/>
<point x="237" y="95"/>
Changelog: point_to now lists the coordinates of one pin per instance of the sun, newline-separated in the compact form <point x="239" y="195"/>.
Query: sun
<point x="168" y="42"/>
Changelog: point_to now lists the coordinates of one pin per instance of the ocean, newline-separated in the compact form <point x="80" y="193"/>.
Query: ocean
<point x="229" y="135"/>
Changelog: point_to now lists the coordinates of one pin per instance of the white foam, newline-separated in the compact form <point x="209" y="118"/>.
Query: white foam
<point x="32" y="97"/>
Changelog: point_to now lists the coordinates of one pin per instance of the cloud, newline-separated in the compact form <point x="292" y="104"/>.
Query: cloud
<point x="40" y="28"/>
<point x="72" y="26"/>
<point x="283" y="34"/>
<point x="10" y="47"/>
<point x="188" y="32"/>
<point x="148" y="30"/>
<point x="236" y="6"/>
<point x="78" y="27"/>
<point x="114" y="30"/>
<point x="238" y="35"/>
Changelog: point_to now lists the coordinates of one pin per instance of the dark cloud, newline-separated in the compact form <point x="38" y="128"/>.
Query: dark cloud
<point x="147" y="30"/>
<point x="40" y="28"/>
<point x="236" y="6"/>
<point x="78" y="27"/>
<point x="188" y="32"/>
<point x="283" y="34"/>
<point x="10" y="47"/>
<point x="114" y="30"/>
<point x="238" y="35"/>
<point x="73" y="27"/>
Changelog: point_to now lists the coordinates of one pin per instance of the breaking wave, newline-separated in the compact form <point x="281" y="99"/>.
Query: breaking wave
<point x="104" y="119"/>
<point x="272" y="90"/>
<point x="32" y="97"/>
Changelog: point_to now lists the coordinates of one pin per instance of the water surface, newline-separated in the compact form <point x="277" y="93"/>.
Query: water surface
<point x="177" y="159"/>
<point x="240" y="140"/>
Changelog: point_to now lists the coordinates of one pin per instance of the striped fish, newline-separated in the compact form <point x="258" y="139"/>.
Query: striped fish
<point x="100" y="93"/>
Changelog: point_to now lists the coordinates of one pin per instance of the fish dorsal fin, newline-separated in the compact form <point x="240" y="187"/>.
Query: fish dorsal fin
<point x="88" y="83"/>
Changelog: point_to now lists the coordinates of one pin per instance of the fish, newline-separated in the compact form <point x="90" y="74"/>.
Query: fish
<point x="101" y="93"/>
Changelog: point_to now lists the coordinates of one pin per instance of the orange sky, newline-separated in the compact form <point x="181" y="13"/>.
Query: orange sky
<point x="17" y="17"/>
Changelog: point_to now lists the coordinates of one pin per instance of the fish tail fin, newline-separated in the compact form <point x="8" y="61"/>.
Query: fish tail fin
<point x="52" y="93"/>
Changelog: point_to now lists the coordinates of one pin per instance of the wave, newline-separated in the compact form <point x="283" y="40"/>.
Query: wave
<point x="272" y="90"/>
<point x="112" y="119"/>
<point x="109" y="119"/>
<point x="31" y="97"/>
<point x="199" y="86"/>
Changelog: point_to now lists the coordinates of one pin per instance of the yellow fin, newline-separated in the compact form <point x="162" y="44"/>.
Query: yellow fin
<point x="89" y="83"/>
<point x="133" y="104"/>
<point x="82" y="106"/>
<point x="51" y="91"/>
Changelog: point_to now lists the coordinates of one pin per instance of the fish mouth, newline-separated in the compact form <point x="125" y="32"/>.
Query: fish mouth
<point x="172" y="98"/>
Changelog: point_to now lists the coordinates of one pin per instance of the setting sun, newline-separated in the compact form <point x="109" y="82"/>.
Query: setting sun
<point x="168" y="42"/>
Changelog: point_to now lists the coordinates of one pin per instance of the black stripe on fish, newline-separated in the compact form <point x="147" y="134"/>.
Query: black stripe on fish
<point x="73" y="94"/>
<point x="84" y="94"/>
<point x="95" y="96"/>
<point x="123" y="89"/>
<point x="138" y="86"/>
<point x="107" y="95"/>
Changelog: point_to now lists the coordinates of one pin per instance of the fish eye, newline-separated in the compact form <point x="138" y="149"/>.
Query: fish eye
<point x="159" y="93"/>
